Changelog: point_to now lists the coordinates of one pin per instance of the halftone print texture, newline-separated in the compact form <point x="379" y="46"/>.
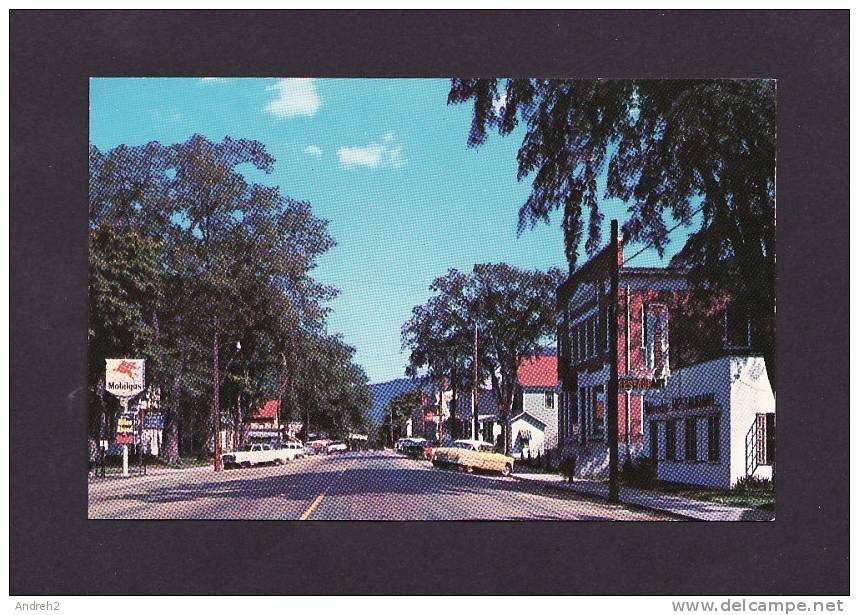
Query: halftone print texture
<point x="427" y="299"/>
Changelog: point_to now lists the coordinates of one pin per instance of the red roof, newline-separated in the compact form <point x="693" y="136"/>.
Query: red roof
<point x="267" y="411"/>
<point x="539" y="372"/>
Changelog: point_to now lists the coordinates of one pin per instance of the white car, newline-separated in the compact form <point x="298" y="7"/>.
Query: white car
<point x="254" y="454"/>
<point x="292" y="450"/>
<point x="337" y="447"/>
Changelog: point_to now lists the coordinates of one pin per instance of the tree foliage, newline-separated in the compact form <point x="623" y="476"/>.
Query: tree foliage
<point x="670" y="149"/>
<point x="187" y="259"/>
<point x="397" y="411"/>
<point x="513" y="310"/>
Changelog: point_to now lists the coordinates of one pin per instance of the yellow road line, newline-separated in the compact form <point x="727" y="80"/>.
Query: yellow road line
<point x="306" y="514"/>
<point x="312" y="507"/>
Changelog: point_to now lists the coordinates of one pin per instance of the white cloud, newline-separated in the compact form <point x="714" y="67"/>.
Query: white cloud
<point x="313" y="150"/>
<point x="294" y="97"/>
<point x="373" y="155"/>
<point x="213" y="80"/>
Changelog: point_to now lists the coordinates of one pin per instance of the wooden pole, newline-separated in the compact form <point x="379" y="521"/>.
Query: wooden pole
<point x="613" y="488"/>
<point x="216" y="402"/>
<point x="474" y="395"/>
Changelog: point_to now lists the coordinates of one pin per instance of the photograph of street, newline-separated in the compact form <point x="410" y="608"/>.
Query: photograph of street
<point x="431" y="299"/>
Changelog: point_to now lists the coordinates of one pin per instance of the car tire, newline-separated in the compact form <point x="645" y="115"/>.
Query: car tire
<point x="507" y="471"/>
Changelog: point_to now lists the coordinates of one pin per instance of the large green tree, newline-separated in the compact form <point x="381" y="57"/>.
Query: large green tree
<point x="514" y="312"/>
<point x="190" y="261"/>
<point x="698" y="152"/>
<point x="397" y="411"/>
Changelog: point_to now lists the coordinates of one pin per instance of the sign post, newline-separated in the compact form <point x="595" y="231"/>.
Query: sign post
<point x="613" y="487"/>
<point x="124" y="379"/>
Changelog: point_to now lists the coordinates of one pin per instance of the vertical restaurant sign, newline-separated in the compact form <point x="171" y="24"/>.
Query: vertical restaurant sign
<point x="124" y="377"/>
<point x="656" y="342"/>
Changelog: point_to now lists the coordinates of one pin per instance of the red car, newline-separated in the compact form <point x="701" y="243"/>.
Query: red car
<point x="428" y="449"/>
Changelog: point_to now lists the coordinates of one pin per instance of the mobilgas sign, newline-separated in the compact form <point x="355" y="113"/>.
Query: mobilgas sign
<point x="124" y="377"/>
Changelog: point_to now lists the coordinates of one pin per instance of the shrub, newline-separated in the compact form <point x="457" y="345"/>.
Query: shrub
<point x="568" y="467"/>
<point x="639" y="473"/>
<point x="749" y="484"/>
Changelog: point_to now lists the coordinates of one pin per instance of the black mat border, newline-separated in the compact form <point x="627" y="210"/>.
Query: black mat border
<point x="55" y="550"/>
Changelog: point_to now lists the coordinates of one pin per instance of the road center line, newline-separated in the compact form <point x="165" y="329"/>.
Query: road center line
<point x="312" y="507"/>
<point x="306" y="514"/>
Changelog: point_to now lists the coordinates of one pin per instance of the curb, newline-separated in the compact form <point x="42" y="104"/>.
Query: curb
<point x="597" y="496"/>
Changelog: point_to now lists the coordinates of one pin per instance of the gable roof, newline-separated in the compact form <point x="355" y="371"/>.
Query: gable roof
<point x="538" y="372"/>
<point x="526" y="416"/>
<point x="266" y="411"/>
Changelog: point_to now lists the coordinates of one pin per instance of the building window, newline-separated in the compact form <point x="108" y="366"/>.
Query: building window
<point x="488" y="429"/>
<point x="765" y="439"/>
<point x="582" y="338"/>
<point x="550" y="399"/>
<point x="671" y="440"/>
<point x="597" y="413"/>
<point x="605" y="334"/>
<point x="654" y="440"/>
<point x="582" y="409"/>
<point x="713" y="438"/>
<point x="644" y="325"/>
<point x="691" y="439"/>
<point x="589" y="338"/>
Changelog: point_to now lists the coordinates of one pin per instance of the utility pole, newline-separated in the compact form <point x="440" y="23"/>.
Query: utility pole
<point x="474" y="395"/>
<point x="613" y="490"/>
<point x="216" y="402"/>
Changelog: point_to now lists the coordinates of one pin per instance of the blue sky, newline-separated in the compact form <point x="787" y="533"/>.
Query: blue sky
<point x="384" y="160"/>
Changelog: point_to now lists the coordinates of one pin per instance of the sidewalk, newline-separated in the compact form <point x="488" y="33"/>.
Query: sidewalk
<point x="696" y="510"/>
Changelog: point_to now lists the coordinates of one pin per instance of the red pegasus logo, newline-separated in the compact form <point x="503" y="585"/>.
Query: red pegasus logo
<point x="126" y="367"/>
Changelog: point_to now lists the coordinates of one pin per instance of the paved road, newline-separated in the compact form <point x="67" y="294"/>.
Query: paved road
<point x="350" y="486"/>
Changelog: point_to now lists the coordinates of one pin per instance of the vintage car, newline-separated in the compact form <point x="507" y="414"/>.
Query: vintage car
<point x="470" y="455"/>
<point x="254" y="454"/>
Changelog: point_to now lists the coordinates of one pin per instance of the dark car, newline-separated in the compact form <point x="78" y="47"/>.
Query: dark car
<point x="421" y="449"/>
<point x="415" y="448"/>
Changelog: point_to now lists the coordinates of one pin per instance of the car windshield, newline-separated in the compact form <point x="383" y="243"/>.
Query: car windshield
<point x="464" y="445"/>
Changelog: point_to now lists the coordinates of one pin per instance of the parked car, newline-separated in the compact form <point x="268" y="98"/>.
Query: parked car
<point x="410" y="443"/>
<point x="470" y="455"/>
<point x="414" y="448"/>
<point x="420" y="449"/>
<point x="315" y="447"/>
<point x="429" y="447"/>
<point x="254" y="454"/>
<point x="292" y="450"/>
<point x="337" y="447"/>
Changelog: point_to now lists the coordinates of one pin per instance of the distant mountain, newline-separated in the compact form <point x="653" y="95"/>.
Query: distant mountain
<point x="383" y="392"/>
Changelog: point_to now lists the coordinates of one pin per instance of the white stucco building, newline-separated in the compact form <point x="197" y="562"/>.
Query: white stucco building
<point x="713" y="423"/>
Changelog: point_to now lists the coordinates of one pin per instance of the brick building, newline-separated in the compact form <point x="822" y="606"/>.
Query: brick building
<point x="646" y="296"/>
<point x="654" y="304"/>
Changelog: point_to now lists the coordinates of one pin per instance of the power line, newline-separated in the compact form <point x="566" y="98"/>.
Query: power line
<point x="671" y="230"/>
